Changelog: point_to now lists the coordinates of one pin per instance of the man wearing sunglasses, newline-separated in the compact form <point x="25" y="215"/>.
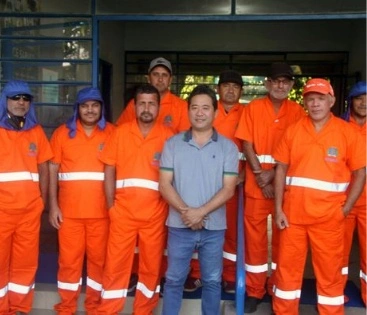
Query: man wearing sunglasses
<point x="23" y="193"/>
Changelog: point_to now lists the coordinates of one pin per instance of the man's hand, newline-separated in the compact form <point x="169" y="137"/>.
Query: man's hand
<point x="281" y="220"/>
<point x="192" y="217"/>
<point x="264" y="178"/>
<point x="268" y="191"/>
<point x="55" y="217"/>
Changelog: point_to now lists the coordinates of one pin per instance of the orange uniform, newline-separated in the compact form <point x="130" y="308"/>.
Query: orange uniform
<point x="172" y="113"/>
<point x="319" y="168"/>
<point x="81" y="198"/>
<point x="21" y="206"/>
<point x="262" y="127"/>
<point x="139" y="211"/>
<point x="226" y="124"/>
<point x="357" y="217"/>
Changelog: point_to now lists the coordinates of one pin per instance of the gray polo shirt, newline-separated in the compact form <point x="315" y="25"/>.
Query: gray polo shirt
<point x="198" y="173"/>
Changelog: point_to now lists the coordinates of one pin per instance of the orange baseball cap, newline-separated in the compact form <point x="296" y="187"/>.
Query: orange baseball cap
<point x="319" y="86"/>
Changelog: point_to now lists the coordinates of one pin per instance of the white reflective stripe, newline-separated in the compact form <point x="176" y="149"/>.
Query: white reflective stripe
<point x="256" y="268"/>
<point x="148" y="293"/>
<point x="22" y="289"/>
<point x="316" y="184"/>
<point x="345" y="270"/>
<point x="15" y="176"/>
<point x="114" y="294"/>
<point x="229" y="256"/>
<point x="69" y="286"/>
<point x="3" y="291"/>
<point x="327" y="300"/>
<point x="241" y="156"/>
<point x="287" y="295"/>
<point x="195" y="255"/>
<point x="94" y="285"/>
<point x="273" y="266"/>
<point x="266" y="159"/>
<point x="81" y="176"/>
<point x="137" y="182"/>
<point x="363" y="275"/>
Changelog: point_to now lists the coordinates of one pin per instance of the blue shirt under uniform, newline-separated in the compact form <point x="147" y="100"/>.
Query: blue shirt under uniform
<point x="198" y="173"/>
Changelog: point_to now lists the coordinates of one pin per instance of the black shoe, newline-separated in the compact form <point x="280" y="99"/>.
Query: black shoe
<point x="251" y="304"/>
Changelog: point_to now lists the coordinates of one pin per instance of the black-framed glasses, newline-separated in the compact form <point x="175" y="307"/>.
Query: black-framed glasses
<point x="24" y="97"/>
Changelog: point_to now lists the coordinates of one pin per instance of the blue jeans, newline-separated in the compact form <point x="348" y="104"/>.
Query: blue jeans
<point x="181" y="245"/>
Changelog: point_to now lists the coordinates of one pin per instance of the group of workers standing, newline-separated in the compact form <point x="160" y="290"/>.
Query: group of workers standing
<point x="164" y="180"/>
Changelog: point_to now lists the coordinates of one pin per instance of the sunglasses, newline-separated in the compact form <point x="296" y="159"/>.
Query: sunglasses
<point x="25" y="97"/>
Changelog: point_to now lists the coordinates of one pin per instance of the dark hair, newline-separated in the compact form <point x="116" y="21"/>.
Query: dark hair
<point x="146" y="89"/>
<point x="203" y="89"/>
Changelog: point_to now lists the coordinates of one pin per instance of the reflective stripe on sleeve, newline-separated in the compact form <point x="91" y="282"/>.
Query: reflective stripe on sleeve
<point x="327" y="300"/>
<point x="316" y="184"/>
<point x="143" y="289"/>
<point x="94" y="284"/>
<point x="266" y="159"/>
<point x="256" y="268"/>
<point x="3" y="291"/>
<point x="114" y="294"/>
<point x="16" y="176"/>
<point x="137" y="182"/>
<point x="229" y="256"/>
<point x="287" y="295"/>
<point x="362" y="275"/>
<point x="345" y="270"/>
<point x="81" y="176"/>
<point x="22" y="289"/>
<point x="69" y="286"/>
<point x="273" y="266"/>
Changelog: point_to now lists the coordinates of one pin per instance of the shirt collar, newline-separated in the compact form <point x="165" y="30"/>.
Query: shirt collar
<point x="188" y="135"/>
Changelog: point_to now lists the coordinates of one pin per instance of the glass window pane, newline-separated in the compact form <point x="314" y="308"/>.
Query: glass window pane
<point x="46" y="71"/>
<point x="299" y="7"/>
<point x="163" y="7"/>
<point x="47" y="6"/>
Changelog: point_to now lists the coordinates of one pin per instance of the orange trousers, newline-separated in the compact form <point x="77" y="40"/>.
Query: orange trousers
<point x="124" y="232"/>
<point x="256" y="216"/>
<point x="327" y="259"/>
<point x="230" y="244"/>
<point x="19" y="246"/>
<point x="79" y="239"/>
<point x="356" y="219"/>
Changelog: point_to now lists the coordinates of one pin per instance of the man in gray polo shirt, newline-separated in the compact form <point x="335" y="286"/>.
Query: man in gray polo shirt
<point x="198" y="174"/>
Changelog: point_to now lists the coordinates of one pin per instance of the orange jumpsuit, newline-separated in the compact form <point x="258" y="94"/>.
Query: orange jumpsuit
<point x="319" y="168"/>
<point x="172" y="113"/>
<point x="21" y="206"/>
<point x="226" y="124"/>
<point x="84" y="230"/>
<point x="139" y="211"/>
<point x="262" y="127"/>
<point x="357" y="218"/>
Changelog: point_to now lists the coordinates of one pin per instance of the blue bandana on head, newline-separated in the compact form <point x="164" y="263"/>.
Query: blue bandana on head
<point x="85" y="95"/>
<point x="357" y="89"/>
<point x="11" y="89"/>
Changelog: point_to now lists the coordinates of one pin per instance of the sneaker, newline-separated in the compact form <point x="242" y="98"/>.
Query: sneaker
<point x="192" y="284"/>
<point x="132" y="283"/>
<point x="251" y="304"/>
<point x="229" y="287"/>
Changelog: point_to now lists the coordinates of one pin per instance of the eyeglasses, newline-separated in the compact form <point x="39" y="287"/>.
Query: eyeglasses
<point x="25" y="97"/>
<point x="285" y="82"/>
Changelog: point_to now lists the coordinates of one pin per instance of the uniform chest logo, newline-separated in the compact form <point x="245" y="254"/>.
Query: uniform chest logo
<point x="32" y="149"/>
<point x="168" y="121"/>
<point x="332" y="154"/>
<point x="156" y="159"/>
<point x="101" y="146"/>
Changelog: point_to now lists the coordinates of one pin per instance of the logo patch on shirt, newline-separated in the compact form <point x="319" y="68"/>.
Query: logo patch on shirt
<point x="100" y="147"/>
<point x="167" y="121"/>
<point x="32" y="149"/>
<point x="156" y="159"/>
<point x="332" y="154"/>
